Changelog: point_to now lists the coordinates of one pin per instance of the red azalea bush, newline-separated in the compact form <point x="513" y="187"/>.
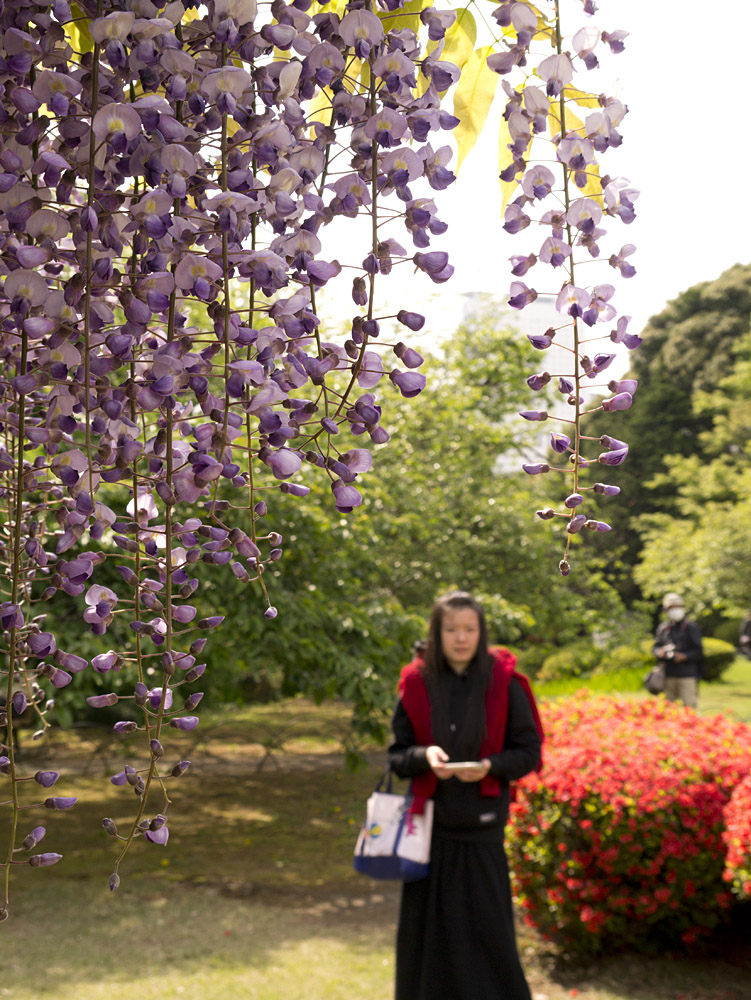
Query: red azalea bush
<point x="738" y="840"/>
<point x="620" y="840"/>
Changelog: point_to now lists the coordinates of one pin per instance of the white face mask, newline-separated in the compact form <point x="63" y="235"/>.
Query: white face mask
<point x="676" y="614"/>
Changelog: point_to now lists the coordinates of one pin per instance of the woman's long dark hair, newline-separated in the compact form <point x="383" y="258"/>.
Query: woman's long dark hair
<point x="465" y="744"/>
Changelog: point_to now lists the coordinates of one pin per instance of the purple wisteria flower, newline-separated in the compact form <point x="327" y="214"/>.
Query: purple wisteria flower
<point x="592" y="200"/>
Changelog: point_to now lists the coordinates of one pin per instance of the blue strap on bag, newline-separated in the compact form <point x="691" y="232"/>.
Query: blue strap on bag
<point x="393" y="843"/>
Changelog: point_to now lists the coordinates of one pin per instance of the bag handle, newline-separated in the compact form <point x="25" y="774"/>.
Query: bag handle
<point x="385" y="780"/>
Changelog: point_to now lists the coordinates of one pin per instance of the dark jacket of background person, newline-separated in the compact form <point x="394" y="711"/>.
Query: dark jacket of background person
<point x="685" y="637"/>
<point x="744" y="636"/>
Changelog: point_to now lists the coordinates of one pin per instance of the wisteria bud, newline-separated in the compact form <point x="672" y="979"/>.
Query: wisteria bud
<point x="180" y="768"/>
<point x="114" y="881"/>
<point x="157" y="750"/>
<point x="102" y="700"/>
<point x="32" y="839"/>
<point x="46" y="778"/>
<point x="124" y="728"/>
<point x="185" y="723"/>
<point x="605" y="490"/>
<point x="212" y="622"/>
<point x="109" y="826"/>
<point x="196" y="672"/>
<point x="545" y="513"/>
<point x="539" y="381"/>
<point x="44" y="860"/>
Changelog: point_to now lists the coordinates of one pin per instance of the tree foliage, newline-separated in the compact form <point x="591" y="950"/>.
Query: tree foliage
<point x="704" y="547"/>
<point x="688" y="349"/>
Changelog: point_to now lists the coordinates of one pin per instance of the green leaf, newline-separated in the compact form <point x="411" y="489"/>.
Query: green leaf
<point x="472" y="100"/>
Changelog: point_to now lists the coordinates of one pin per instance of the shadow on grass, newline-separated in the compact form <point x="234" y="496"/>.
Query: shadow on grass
<point x="68" y="939"/>
<point x="254" y="898"/>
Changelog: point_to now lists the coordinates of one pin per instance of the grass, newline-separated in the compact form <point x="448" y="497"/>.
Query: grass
<point x="254" y="897"/>
<point x="730" y="695"/>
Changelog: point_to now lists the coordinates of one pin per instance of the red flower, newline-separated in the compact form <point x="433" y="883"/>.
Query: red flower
<point x="634" y="795"/>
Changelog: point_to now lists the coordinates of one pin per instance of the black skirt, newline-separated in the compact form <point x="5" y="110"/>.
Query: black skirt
<point x="456" y="937"/>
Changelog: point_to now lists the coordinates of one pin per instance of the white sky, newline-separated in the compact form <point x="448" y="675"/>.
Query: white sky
<point x="686" y="148"/>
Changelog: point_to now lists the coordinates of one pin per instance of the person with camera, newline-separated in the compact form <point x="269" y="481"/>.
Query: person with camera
<point x="744" y="636"/>
<point x="678" y="647"/>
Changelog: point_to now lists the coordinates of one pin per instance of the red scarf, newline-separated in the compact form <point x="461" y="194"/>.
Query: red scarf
<point x="413" y="692"/>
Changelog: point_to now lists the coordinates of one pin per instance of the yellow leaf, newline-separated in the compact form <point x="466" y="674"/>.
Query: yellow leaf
<point x="504" y="159"/>
<point x="459" y="43"/>
<point x="472" y="99"/>
<point x="580" y="97"/>
<point x="571" y="121"/>
<point x="353" y="71"/>
<point x="407" y="16"/>
<point x="544" y="29"/>
<point x="77" y="30"/>
<point x="365" y="77"/>
<point x="593" y="187"/>
<point x="320" y="107"/>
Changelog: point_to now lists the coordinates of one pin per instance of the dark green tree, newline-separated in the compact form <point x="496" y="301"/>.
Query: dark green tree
<point x="687" y="349"/>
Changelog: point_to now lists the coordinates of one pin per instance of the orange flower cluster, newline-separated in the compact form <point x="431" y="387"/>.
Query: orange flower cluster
<point x="622" y="840"/>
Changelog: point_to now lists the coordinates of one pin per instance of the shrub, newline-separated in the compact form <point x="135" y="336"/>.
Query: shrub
<point x="728" y="630"/>
<point x="619" y="842"/>
<point x="575" y="660"/>
<point x="624" y="658"/>
<point x="530" y="660"/>
<point x="738" y="840"/>
<point x="718" y="656"/>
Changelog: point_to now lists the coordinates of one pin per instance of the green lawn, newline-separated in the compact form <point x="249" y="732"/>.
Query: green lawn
<point x="254" y="897"/>
<point x="730" y="695"/>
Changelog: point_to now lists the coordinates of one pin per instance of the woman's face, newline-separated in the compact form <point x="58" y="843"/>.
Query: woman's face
<point x="460" y="636"/>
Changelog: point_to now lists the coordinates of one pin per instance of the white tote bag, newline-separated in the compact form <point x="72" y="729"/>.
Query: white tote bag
<point x="393" y="843"/>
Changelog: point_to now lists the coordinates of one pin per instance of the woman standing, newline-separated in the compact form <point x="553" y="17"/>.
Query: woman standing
<point x="461" y="702"/>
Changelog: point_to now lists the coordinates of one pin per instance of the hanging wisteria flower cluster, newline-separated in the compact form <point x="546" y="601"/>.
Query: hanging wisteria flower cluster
<point x="560" y="192"/>
<point x="166" y="173"/>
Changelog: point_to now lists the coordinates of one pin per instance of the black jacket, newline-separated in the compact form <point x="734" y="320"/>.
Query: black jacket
<point x="460" y="810"/>
<point x="686" y="638"/>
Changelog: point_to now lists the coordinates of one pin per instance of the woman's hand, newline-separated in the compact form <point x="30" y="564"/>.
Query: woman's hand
<point x="436" y="757"/>
<point x="475" y="773"/>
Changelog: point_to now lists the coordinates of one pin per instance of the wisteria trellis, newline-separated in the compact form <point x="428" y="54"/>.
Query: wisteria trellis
<point x="167" y="176"/>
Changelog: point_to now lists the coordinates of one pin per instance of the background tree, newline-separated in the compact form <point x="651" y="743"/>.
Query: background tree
<point x="687" y="349"/>
<point x="706" y="544"/>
